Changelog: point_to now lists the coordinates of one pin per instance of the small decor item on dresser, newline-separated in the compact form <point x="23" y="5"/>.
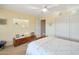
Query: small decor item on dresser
<point x="17" y="36"/>
<point x="33" y="35"/>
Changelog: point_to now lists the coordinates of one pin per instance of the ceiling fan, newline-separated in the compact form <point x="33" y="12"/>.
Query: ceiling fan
<point x="43" y="8"/>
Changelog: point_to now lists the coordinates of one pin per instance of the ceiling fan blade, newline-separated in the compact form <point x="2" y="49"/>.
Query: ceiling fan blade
<point x="51" y="6"/>
<point x="32" y="7"/>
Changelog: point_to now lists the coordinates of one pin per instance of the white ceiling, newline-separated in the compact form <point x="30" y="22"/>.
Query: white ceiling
<point x="36" y="9"/>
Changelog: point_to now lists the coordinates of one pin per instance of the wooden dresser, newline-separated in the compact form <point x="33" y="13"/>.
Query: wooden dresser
<point x="20" y="41"/>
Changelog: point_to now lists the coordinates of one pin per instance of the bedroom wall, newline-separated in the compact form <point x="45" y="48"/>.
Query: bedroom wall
<point x="38" y="27"/>
<point x="64" y="26"/>
<point x="50" y="25"/>
<point x="8" y="31"/>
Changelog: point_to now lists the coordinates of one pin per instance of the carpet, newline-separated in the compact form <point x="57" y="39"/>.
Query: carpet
<point x="11" y="50"/>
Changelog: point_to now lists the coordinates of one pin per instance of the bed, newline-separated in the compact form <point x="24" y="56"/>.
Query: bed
<point x="53" y="46"/>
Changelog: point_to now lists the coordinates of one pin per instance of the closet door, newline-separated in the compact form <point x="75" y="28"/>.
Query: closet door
<point x="74" y="27"/>
<point x="62" y="26"/>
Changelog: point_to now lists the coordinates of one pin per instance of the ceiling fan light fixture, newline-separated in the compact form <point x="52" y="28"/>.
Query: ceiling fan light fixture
<point x="44" y="10"/>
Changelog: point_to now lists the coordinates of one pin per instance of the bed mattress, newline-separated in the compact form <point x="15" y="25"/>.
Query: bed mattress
<point x="52" y="46"/>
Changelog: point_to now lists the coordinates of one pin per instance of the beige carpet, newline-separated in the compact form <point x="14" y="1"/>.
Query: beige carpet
<point x="19" y="50"/>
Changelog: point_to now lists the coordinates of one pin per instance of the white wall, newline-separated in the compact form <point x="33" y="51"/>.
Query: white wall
<point x="50" y="25"/>
<point x="38" y="27"/>
<point x="8" y="31"/>
<point x="50" y="29"/>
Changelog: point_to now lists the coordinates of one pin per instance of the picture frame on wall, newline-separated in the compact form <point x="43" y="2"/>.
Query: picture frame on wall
<point x="3" y="21"/>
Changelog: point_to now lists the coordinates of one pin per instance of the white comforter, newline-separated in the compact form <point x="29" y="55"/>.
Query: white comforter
<point x="52" y="46"/>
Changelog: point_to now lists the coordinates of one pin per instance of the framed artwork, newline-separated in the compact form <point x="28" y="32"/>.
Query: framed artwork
<point x="3" y="21"/>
